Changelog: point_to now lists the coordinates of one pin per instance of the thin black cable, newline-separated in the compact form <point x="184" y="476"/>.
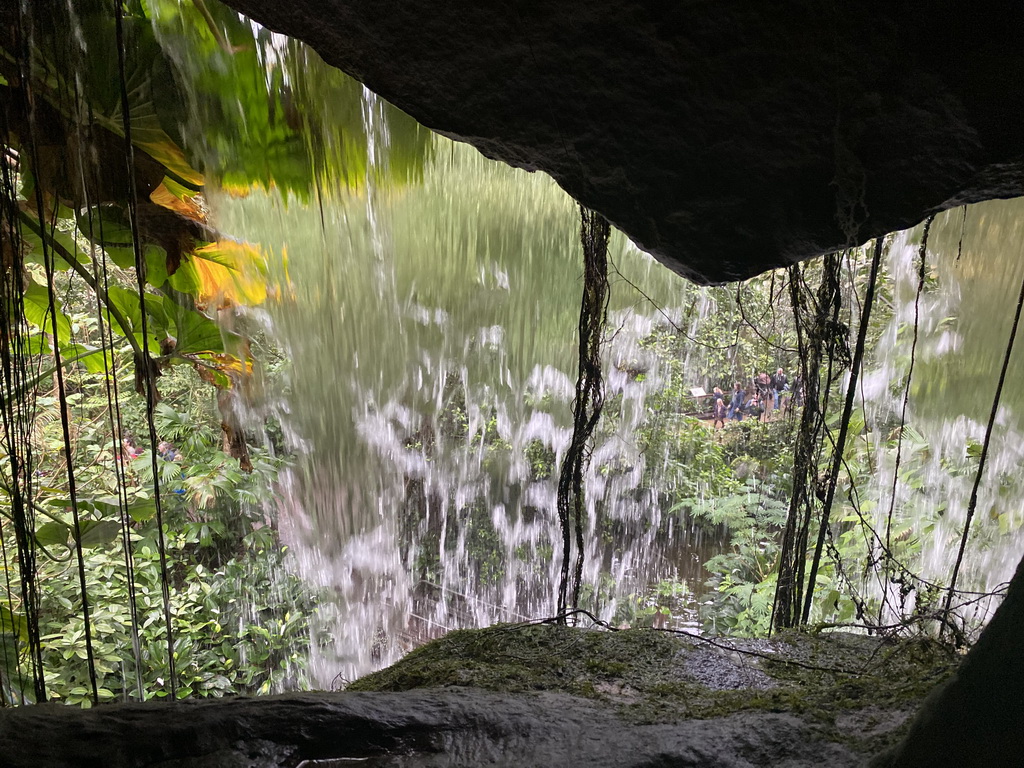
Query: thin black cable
<point x="114" y="406"/>
<point x="753" y="326"/>
<point x="22" y="502"/>
<point x="9" y="648"/>
<point x="675" y="326"/>
<point x="12" y="327"/>
<point x="146" y="362"/>
<point x="852" y="266"/>
<point x="48" y="259"/>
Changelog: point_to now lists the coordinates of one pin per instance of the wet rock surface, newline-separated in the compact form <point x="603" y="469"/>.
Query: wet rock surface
<point x="725" y="138"/>
<point x="528" y="696"/>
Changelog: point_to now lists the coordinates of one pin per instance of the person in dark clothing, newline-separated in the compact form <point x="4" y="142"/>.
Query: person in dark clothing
<point x="736" y="403"/>
<point x="798" y="390"/>
<point x="763" y="388"/>
<point x="754" y="407"/>
<point x="779" y="384"/>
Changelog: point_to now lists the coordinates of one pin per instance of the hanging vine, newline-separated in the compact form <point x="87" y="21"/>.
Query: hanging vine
<point x="18" y="413"/>
<point x="972" y="504"/>
<point x="820" y="341"/>
<point x="844" y="425"/>
<point x="888" y="562"/>
<point x="571" y="501"/>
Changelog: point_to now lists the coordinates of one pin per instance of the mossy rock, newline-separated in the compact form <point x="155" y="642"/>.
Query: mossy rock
<point x="840" y="681"/>
<point x="516" y="658"/>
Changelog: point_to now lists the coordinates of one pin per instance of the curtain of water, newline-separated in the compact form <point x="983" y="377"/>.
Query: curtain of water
<point x="430" y="335"/>
<point x="974" y="266"/>
<point x="428" y="326"/>
<point x="426" y="300"/>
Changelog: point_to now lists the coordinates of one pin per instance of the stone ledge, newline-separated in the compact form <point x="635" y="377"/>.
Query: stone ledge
<point x="558" y="696"/>
<point x="725" y="138"/>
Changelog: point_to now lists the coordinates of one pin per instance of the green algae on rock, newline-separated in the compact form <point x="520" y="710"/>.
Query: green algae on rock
<point x="532" y="695"/>
<point x="858" y="689"/>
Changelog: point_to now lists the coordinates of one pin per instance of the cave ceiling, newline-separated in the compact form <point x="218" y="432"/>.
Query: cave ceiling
<point x="725" y="138"/>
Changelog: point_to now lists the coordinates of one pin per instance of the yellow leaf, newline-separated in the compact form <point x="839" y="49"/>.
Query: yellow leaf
<point x="161" y="147"/>
<point x="229" y="273"/>
<point x="185" y="205"/>
<point x="223" y="371"/>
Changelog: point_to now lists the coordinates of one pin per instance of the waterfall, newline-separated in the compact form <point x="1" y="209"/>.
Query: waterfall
<point x="370" y="435"/>
<point x="429" y="334"/>
<point x="973" y="271"/>
<point x="426" y="319"/>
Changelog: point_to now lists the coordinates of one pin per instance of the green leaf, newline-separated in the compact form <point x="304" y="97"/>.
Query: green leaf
<point x="140" y="512"/>
<point x="197" y="333"/>
<point x="156" y="265"/>
<point x="35" y="253"/>
<point x="37" y="312"/>
<point x="108" y="226"/>
<point x="52" y="533"/>
<point x="127" y="302"/>
<point x="106" y="506"/>
<point x="12" y="624"/>
<point x="185" y="279"/>
<point x="89" y="356"/>
<point x="96" y="533"/>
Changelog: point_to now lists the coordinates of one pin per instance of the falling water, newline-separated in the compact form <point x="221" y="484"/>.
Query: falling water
<point x="975" y="265"/>
<point x="430" y="334"/>
<point x="425" y="303"/>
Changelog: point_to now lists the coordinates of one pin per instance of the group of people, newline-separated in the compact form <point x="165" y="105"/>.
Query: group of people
<point x="758" y="399"/>
<point x="130" y="450"/>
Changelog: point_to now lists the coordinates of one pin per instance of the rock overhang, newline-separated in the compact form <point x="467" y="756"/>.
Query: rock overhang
<point x="724" y="138"/>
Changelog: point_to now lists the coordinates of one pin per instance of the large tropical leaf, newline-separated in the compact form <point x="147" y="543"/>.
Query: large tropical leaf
<point x="196" y="333"/>
<point x="34" y="253"/>
<point x="229" y="273"/>
<point x="37" y="312"/>
<point x="96" y="533"/>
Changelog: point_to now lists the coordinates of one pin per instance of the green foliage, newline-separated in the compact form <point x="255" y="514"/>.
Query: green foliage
<point x="742" y="577"/>
<point x="691" y="461"/>
<point x="239" y="617"/>
<point x="228" y="637"/>
<point x="541" y="460"/>
<point x="300" y="117"/>
<point x="656" y="607"/>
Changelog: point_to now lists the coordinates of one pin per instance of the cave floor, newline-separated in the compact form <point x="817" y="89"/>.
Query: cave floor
<point x="531" y="695"/>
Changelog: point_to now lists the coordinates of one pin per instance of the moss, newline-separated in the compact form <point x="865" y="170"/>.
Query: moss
<point x="644" y="676"/>
<point x="515" y="658"/>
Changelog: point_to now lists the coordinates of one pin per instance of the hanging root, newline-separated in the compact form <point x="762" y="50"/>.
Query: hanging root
<point x="840" y="445"/>
<point x="594" y="232"/>
<point x="816" y="319"/>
